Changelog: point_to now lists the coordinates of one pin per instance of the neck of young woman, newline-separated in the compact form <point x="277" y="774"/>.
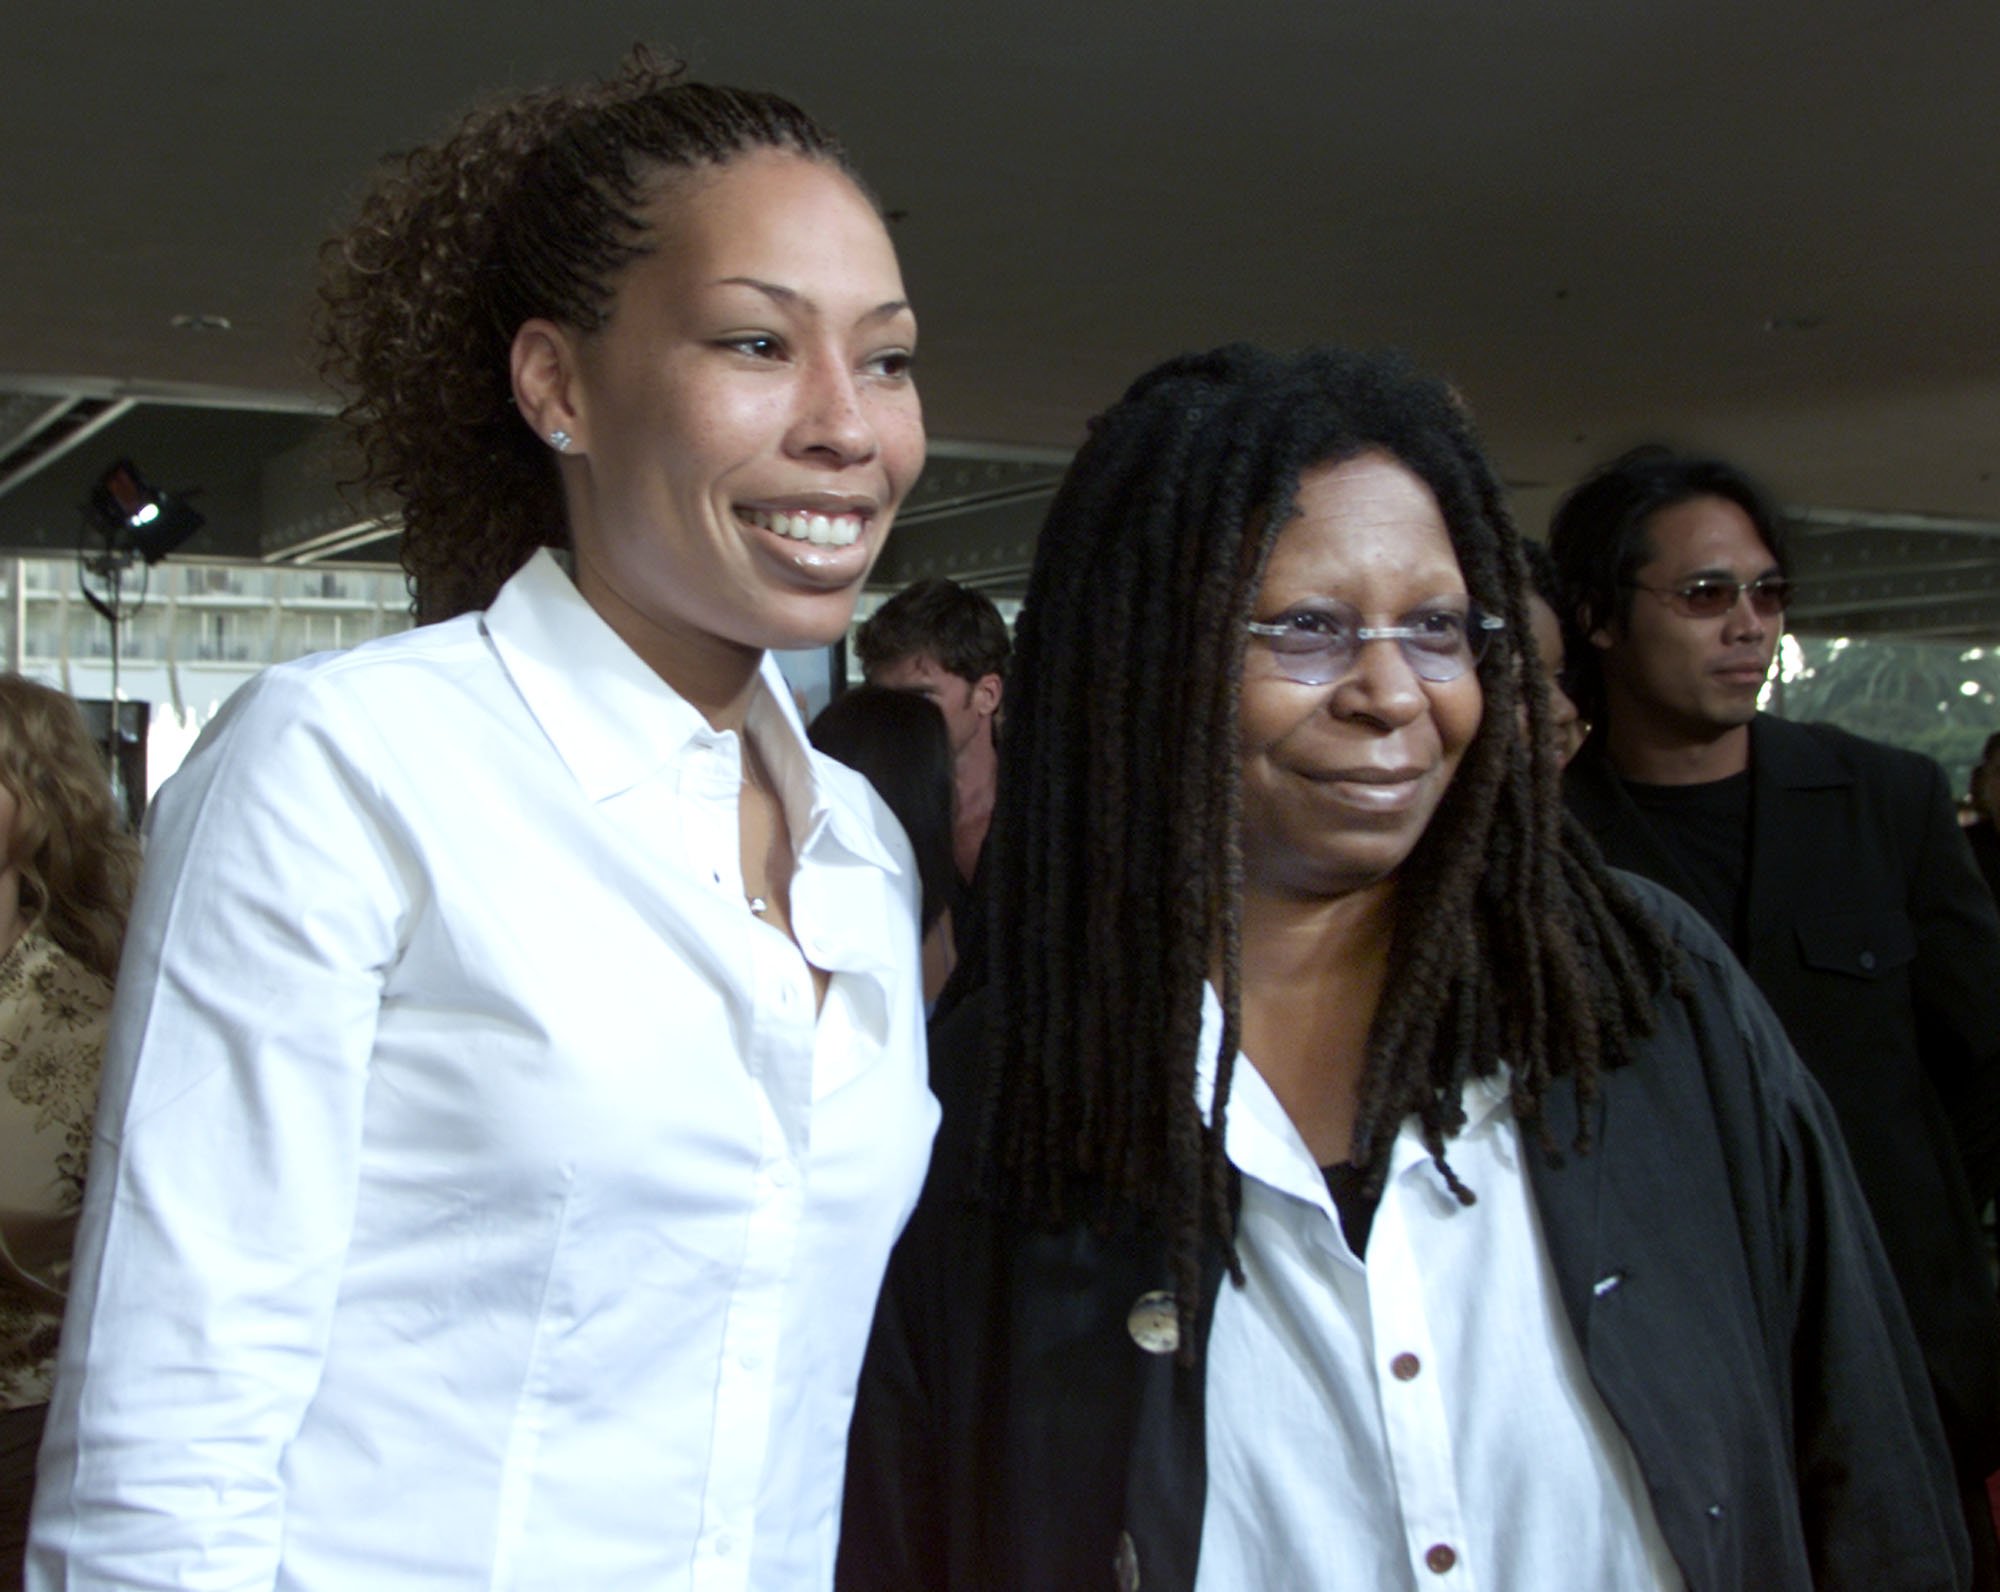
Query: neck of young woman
<point x="721" y="689"/>
<point x="717" y="676"/>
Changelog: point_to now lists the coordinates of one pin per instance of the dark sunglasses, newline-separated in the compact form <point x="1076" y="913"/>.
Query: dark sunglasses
<point x="1712" y="596"/>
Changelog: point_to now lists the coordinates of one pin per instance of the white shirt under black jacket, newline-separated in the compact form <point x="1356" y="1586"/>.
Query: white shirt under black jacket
<point x="1420" y="1421"/>
<point x="477" y="1201"/>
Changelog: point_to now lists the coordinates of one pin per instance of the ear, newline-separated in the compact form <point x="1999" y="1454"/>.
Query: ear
<point x="543" y="365"/>
<point x="1603" y="637"/>
<point x="986" y="694"/>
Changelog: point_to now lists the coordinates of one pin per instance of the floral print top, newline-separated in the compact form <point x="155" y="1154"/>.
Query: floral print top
<point x="53" y="1011"/>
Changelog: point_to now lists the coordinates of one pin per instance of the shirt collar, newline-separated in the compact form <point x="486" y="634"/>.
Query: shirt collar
<point x="615" y="723"/>
<point x="611" y="719"/>
<point x="812" y="811"/>
<point x="1262" y="1141"/>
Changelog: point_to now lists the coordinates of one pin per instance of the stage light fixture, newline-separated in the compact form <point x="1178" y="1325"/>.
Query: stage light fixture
<point x="137" y="517"/>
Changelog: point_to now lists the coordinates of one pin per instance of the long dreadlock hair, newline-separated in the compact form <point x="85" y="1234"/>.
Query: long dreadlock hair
<point x="1117" y="850"/>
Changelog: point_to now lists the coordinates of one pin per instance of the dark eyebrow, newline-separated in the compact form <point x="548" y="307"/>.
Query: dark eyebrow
<point x="791" y="298"/>
<point x="1729" y="574"/>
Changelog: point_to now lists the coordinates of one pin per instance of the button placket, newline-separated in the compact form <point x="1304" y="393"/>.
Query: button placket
<point x="710" y="779"/>
<point x="746" y="1374"/>
<point x="1413" y="1412"/>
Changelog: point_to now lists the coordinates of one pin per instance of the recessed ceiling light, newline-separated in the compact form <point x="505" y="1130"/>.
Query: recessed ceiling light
<point x="201" y="323"/>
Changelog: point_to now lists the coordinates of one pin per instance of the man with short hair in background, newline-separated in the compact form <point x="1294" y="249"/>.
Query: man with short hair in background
<point x="1834" y="867"/>
<point x="948" y="642"/>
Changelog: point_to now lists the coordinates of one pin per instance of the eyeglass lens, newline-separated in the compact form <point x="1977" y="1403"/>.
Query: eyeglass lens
<point x="1712" y="596"/>
<point x="1318" y="645"/>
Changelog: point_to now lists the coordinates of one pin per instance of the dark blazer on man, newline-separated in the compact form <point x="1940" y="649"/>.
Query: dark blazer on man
<point x="1876" y="942"/>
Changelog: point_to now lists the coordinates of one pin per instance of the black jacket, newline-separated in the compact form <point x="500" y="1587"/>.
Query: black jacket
<point x="1876" y="942"/>
<point x="1715" y="1262"/>
<point x="1984" y="838"/>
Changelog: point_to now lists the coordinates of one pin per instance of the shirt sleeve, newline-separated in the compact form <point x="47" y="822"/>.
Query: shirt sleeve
<point x="1957" y="987"/>
<point x="224" y="1178"/>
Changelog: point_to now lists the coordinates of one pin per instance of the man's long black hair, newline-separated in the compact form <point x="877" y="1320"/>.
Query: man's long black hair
<point x="1116" y="847"/>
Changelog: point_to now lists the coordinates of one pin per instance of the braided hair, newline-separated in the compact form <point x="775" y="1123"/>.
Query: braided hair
<point x="1117" y="854"/>
<point x="529" y="208"/>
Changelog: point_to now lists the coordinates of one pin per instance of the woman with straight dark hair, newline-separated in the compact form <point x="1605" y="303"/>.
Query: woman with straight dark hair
<point x="517" y="1077"/>
<point x="899" y="741"/>
<point x="1345" y="1180"/>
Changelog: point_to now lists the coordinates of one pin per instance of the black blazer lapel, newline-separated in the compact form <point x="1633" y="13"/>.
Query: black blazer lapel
<point x="1567" y="1193"/>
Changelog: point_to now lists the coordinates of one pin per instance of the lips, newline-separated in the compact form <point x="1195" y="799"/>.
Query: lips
<point x="1742" y="671"/>
<point x="1370" y="775"/>
<point x="1382" y="793"/>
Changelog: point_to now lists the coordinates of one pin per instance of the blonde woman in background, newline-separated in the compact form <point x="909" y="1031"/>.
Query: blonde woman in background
<point x="66" y="874"/>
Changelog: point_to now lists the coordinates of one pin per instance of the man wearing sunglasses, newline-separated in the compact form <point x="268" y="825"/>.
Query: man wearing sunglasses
<point x="1832" y="865"/>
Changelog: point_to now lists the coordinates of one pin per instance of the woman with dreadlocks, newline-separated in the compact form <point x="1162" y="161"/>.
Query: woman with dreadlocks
<point x="518" y="1079"/>
<point x="1345" y="1182"/>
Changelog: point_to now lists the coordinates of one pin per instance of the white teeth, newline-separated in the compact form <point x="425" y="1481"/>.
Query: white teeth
<point x="822" y="530"/>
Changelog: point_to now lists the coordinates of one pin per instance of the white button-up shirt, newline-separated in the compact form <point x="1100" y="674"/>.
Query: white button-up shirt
<point x="1422" y="1421"/>
<point x="479" y="1200"/>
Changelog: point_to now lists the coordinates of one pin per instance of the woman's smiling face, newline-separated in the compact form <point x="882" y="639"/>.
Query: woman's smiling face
<point x="1341" y="780"/>
<point x="745" y="423"/>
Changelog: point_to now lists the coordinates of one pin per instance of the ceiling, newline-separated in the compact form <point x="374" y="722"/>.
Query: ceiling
<point x="1771" y="230"/>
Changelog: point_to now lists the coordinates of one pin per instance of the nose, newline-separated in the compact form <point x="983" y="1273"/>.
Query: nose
<point x="1380" y="686"/>
<point x="833" y="423"/>
<point x="1561" y="709"/>
<point x="1743" y="622"/>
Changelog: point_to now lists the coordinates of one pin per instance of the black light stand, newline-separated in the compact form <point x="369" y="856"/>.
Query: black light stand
<point x="136" y="522"/>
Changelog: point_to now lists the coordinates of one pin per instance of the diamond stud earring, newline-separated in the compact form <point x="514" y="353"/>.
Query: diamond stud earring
<point x="559" y="439"/>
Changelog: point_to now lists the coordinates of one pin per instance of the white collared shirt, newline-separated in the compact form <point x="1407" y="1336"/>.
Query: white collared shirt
<point x="1421" y="1421"/>
<point x="478" y="1201"/>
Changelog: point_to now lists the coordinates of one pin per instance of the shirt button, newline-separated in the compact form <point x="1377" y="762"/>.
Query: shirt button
<point x="1867" y="961"/>
<point x="725" y="1545"/>
<point x="1405" y="1367"/>
<point x="1439" y="1559"/>
<point x="1126" y="1565"/>
<point x="1154" y="1322"/>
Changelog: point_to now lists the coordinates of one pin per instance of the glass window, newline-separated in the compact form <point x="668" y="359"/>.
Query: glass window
<point x="42" y="635"/>
<point x="222" y="636"/>
<point x="1938" y="698"/>
<point x="88" y="631"/>
<point x="145" y="635"/>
